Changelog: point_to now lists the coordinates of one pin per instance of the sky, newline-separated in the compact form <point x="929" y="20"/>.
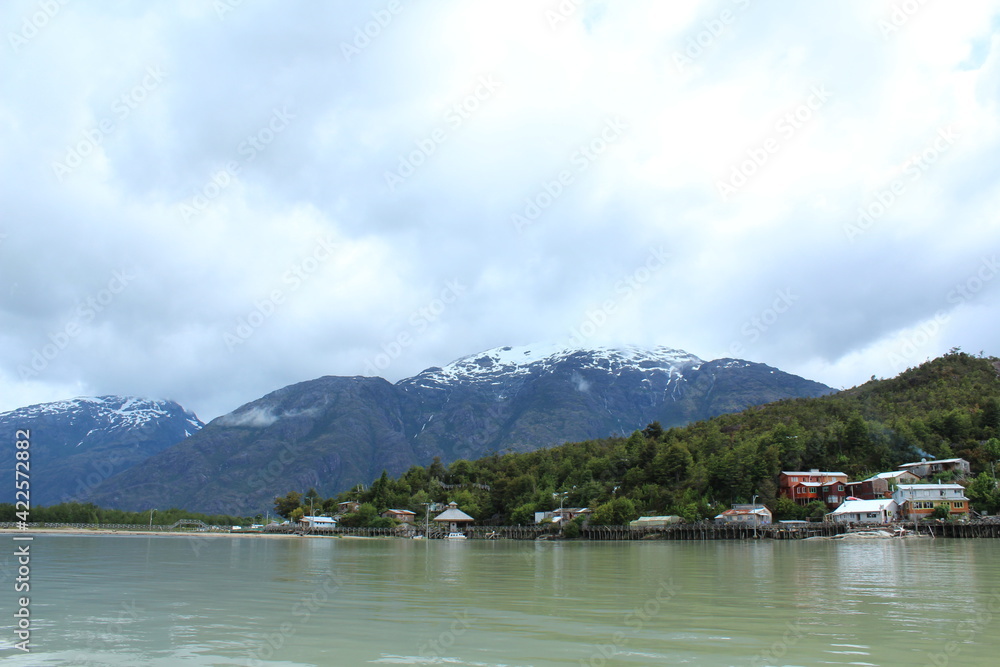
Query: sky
<point x="208" y="200"/>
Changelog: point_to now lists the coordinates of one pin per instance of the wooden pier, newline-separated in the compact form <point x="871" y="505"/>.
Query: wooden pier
<point x="686" y="532"/>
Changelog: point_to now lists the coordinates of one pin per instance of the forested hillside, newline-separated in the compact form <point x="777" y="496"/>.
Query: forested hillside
<point x="944" y="408"/>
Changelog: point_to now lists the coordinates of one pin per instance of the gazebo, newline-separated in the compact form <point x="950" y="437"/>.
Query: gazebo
<point x="453" y="517"/>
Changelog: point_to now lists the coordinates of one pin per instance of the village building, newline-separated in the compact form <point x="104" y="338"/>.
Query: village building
<point x="805" y="487"/>
<point x="317" y="522"/>
<point x="348" y="507"/>
<point x="869" y="489"/>
<point x="453" y="518"/>
<point x="925" y="468"/>
<point x="655" y="521"/>
<point x="918" y="501"/>
<point x="896" y="477"/>
<point x="878" y="510"/>
<point x="563" y="514"/>
<point x="757" y="515"/>
<point x="406" y="516"/>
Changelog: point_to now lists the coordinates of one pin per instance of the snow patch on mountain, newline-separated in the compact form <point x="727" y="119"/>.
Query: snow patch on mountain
<point x="512" y="361"/>
<point x="118" y="412"/>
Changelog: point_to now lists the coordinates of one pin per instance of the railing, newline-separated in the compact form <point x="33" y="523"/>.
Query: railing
<point x="112" y="526"/>
<point x="989" y="528"/>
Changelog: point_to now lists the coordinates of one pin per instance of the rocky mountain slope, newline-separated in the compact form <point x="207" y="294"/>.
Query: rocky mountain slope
<point x="77" y="444"/>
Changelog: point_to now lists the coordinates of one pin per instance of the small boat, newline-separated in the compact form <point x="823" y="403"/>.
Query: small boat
<point x="456" y="536"/>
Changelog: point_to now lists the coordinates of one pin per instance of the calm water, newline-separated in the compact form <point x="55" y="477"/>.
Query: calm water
<point x="100" y="600"/>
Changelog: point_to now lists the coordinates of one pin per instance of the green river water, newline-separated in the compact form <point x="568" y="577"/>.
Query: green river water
<point x="215" y="600"/>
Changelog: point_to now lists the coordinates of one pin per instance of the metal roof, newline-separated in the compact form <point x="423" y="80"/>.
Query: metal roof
<point x="853" y="506"/>
<point x="453" y="515"/>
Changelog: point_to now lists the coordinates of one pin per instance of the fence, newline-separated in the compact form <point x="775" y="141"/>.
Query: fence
<point x="120" y="526"/>
<point x="693" y="531"/>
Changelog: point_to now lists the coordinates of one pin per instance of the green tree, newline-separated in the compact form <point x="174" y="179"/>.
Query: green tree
<point x="983" y="494"/>
<point x="815" y="510"/>
<point x="941" y="511"/>
<point x="786" y="509"/>
<point x="286" y="505"/>
<point x="654" y="431"/>
<point x="671" y="465"/>
<point x="296" y="514"/>
<point x="618" y="512"/>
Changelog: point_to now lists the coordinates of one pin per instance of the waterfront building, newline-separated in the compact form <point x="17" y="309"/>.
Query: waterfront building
<point x="878" y="510"/>
<point x="406" y="516"/>
<point x="925" y="468"/>
<point x="918" y="501"/>
<point x="453" y="518"/>
<point x="746" y="514"/>
<point x="805" y="487"/>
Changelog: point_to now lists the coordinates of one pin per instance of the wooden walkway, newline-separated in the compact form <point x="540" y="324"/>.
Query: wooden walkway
<point x="687" y="532"/>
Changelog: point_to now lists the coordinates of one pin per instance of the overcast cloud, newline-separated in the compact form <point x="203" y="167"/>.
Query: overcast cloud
<point x="206" y="201"/>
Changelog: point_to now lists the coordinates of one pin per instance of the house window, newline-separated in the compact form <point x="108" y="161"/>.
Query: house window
<point x="840" y="487"/>
<point x="793" y="480"/>
<point x="958" y="506"/>
<point x="826" y="489"/>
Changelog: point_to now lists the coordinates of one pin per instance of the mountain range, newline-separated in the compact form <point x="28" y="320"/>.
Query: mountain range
<point x="78" y="444"/>
<point x="332" y="433"/>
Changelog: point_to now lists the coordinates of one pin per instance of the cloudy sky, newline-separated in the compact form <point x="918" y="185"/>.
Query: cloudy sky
<point x="207" y="201"/>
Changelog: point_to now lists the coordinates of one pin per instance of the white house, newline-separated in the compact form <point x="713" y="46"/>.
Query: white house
<point x="880" y="510"/>
<point x="317" y="522"/>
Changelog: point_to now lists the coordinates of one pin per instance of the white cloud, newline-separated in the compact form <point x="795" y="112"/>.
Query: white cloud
<point x="206" y="128"/>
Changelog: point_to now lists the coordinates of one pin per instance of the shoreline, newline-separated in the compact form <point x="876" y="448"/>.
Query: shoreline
<point x="169" y="533"/>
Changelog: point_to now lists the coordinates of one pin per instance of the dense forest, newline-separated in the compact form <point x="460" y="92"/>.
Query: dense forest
<point x="948" y="407"/>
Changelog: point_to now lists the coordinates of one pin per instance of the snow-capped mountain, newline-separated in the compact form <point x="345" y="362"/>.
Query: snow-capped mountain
<point x="334" y="432"/>
<point x="77" y="444"/>
<point x="502" y="364"/>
